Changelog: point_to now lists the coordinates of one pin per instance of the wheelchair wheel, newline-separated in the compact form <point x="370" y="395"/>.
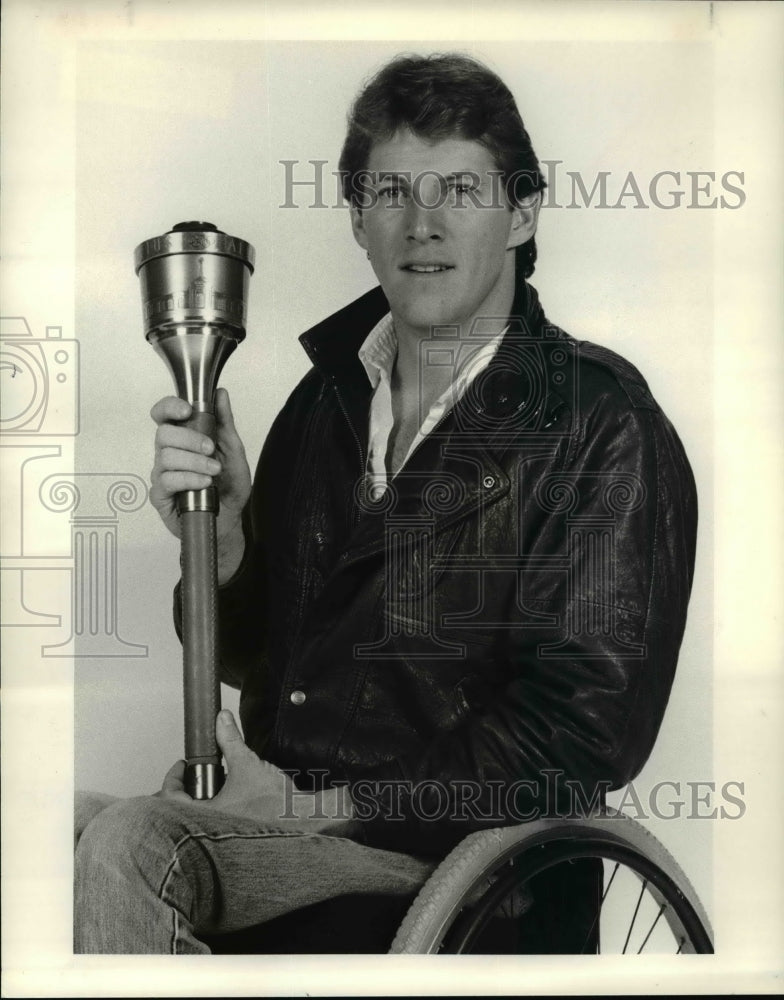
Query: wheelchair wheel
<point x="488" y="868"/>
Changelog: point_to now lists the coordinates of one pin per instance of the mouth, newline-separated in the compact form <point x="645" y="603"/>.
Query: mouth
<point x="426" y="268"/>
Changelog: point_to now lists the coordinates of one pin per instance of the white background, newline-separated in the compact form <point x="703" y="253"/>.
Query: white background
<point x="123" y="119"/>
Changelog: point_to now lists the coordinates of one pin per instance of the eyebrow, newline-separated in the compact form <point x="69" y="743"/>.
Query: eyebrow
<point x="386" y="175"/>
<point x="390" y="175"/>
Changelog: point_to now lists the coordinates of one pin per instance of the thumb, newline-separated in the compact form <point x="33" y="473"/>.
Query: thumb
<point x="229" y="738"/>
<point x="173" y="782"/>
<point x="223" y="412"/>
<point x="175" y="776"/>
<point x="229" y="441"/>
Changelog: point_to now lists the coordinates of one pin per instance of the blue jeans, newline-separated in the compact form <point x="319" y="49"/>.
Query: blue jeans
<point x="152" y="875"/>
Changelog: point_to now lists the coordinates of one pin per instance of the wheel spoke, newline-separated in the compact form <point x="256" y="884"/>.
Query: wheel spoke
<point x="662" y="908"/>
<point x="634" y="916"/>
<point x="604" y="895"/>
<point x="599" y="908"/>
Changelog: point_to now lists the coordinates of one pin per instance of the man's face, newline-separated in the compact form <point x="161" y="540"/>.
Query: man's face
<point x="440" y="232"/>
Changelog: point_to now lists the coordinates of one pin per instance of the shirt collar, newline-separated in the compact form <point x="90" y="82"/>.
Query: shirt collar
<point x="379" y="350"/>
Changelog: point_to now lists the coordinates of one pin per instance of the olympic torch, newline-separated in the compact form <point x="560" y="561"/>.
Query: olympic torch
<point x="194" y="285"/>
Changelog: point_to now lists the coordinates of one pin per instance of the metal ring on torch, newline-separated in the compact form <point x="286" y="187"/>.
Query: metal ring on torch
<point x="194" y="282"/>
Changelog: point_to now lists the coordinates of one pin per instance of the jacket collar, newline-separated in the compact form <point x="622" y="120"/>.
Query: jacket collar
<point x="333" y="344"/>
<point x="515" y="387"/>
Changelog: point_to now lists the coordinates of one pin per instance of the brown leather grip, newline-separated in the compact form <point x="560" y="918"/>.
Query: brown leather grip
<point x="201" y="685"/>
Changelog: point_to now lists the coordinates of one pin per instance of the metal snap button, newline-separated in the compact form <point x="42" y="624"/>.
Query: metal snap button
<point x="488" y="482"/>
<point x="320" y="538"/>
<point x="298" y="697"/>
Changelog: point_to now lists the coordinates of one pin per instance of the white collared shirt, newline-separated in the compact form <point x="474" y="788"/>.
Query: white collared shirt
<point x="377" y="354"/>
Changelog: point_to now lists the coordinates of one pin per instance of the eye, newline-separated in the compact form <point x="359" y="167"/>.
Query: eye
<point x="390" y="192"/>
<point x="460" y="187"/>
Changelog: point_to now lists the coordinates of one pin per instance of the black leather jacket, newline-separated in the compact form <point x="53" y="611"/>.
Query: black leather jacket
<point x="509" y="616"/>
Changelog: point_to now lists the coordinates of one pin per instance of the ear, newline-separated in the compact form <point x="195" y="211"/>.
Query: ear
<point x="525" y="217"/>
<point x="358" y="226"/>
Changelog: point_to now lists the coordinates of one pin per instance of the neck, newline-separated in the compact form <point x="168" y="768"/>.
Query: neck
<point x="412" y="375"/>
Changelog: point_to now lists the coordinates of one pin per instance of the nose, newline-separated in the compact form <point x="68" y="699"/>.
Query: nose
<point x="423" y="223"/>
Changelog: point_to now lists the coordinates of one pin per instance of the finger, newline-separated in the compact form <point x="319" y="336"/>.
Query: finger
<point x="182" y="438"/>
<point x="167" y="484"/>
<point x="174" y="781"/>
<point x="177" y="460"/>
<point x="170" y="408"/>
<point x="224" y="418"/>
<point x="223" y="410"/>
<point x="229" y="738"/>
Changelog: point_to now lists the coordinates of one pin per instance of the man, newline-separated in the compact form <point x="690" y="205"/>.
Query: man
<point x="455" y="594"/>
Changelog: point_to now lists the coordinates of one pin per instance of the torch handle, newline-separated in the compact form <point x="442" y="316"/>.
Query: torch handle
<point x="201" y="685"/>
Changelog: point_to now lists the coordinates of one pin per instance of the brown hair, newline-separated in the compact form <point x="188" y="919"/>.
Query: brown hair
<point x="439" y="96"/>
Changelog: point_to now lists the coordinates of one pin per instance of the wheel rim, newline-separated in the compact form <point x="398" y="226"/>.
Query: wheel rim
<point x="686" y="925"/>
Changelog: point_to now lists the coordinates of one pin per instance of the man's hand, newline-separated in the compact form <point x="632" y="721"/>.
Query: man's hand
<point x="257" y="790"/>
<point x="188" y="460"/>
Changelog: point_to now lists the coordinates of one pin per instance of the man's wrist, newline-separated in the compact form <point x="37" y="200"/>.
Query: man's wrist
<point x="231" y="549"/>
<point x="332" y="804"/>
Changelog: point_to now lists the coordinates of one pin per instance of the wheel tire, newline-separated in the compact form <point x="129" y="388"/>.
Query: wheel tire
<point x="465" y="878"/>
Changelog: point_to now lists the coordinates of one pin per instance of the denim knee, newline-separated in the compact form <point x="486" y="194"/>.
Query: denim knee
<point x="87" y="805"/>
<point x="136" y="836"/>
<point x="136" y="878"/>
